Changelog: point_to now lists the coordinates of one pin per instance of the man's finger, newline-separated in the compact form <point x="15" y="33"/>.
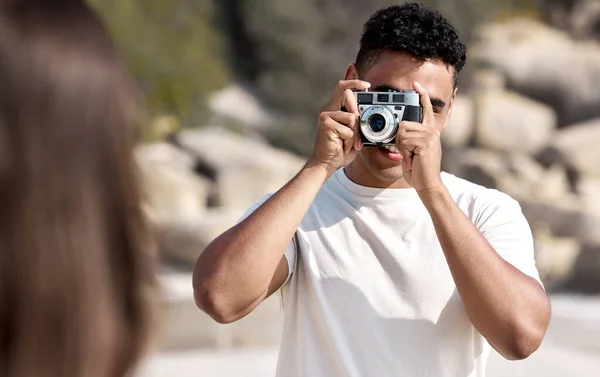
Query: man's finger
<point x="407" y="126"/>
<point x="349" y="102"/>
<point x="407" y="158"/>
<point x="340" y="96"/>
<point x="347" y="136"/>
<point x="351" y="121"/>
<point x="408" y="148"/>
<point x="412" y="135"/>
<point x="338" y="130"/>
<point x="339" y="124"/>
<point x="428" y="116"/>
<point x="351" y="105"/>
<point x="335" y="103"/>
<point x="352" y="84"/>
<point x="347" y="119"/>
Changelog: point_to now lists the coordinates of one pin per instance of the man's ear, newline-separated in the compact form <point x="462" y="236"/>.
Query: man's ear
<point x="450" y="108"/>
<point x="352" y="73"/>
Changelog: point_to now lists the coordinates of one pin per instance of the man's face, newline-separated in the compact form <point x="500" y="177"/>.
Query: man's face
<point x="398" y="71"/>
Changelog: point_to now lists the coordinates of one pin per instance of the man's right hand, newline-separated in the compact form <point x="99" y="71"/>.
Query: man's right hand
<point x="338" y="137"/>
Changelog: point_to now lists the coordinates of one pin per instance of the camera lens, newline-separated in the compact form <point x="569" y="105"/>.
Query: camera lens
<point x="377" y="122"/>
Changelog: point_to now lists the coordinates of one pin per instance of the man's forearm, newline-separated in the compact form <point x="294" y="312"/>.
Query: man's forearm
<point x="506" y="306"/>
<point x="235" y="270"/>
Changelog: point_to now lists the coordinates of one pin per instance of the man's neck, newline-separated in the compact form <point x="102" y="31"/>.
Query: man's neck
<point x="358" y="173"/>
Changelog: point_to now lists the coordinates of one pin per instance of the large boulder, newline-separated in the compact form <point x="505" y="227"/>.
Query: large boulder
<point x="244" y="169"/>
<point x="544" y="64"/>
<point x="175" y="199"/>
<point x="183" y="240"/>
<point x="528" y="179"/>
<point x="580" y="18"/>
<point x="586" y="275"/>
<point x="589" y="192"/>
<point x="483" y="167"/>
<point x="516" y="174"/>
<point x="201" y="187"/>
<point x="459" y="130"/>
<point x="565" y="218"/>
<point x="162" y="153"/>
<point x="565" y="225"/>
<point x="185" y="327"/>
<point x="488" y="79"/>
<point x="238" y="103"/>
<point x="172" y="190"/>
<point x="510" y="122"/>
<point x="577" y="147"/>
<point x="555" y="257"/>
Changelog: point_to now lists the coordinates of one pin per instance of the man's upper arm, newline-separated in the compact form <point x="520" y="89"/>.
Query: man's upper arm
<point x="287" y="264"/>
<point x="283" y="272"/>
<point x="507" y="230"/>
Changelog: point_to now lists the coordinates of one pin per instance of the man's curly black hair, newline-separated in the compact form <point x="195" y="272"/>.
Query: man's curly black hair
<point x="412" y="28"/>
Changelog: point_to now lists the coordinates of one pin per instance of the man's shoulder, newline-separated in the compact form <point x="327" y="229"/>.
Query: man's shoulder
<point x="254" y="206"/>
<point x="330" y="188"/>
<point x="474" y="195"/>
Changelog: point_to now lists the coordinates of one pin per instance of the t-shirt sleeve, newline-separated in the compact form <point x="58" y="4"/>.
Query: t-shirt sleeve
<point x="504" y="225"/>
<point x="290" y="251"/>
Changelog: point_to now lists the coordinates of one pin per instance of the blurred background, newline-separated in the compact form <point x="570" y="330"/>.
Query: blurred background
<point x="233" y="89"/>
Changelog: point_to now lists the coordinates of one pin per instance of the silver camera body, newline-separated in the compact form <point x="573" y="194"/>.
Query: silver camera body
<point x="382" y="112"/>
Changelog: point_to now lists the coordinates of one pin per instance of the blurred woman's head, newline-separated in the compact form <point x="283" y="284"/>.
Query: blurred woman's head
<point x="76" y="267"/>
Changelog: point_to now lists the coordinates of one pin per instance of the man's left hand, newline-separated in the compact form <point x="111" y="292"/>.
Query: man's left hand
<point x="421" y="148"/>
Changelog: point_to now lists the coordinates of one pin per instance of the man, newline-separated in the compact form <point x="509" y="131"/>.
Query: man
<point x="389" y="267"/>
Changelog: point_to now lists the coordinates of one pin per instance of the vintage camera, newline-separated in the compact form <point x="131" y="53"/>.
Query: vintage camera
<point x="382" y="112"/>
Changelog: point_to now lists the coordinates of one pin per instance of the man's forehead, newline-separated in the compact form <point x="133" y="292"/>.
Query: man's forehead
<point x="398" y="71"/>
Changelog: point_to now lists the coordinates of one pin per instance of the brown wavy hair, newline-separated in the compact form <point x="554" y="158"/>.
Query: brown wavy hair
<point x="77" y="267"/>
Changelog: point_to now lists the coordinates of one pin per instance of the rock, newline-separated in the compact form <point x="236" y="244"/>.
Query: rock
<point x="511" y="123"/>
<point x="580" y="18"/>
<point x="555" y="257"/>
<point x="567" y="243"/>
<point x="452" y="161"/>
<point x="586" y="275"/>
<point x="173" y="191"/>
<point x="521" y="177"/>
<point x="585" y="20"/>
<point x="516" y="174"/>
<point x="183" y="240"/>
<point x="555" y="185"/>
<point x="544" y="64"/>
<point x="244" y="169"/>
<point x="163" y="153"/>
<point x="488" y="80"/>
<point x="459" y="130"/>
<point x="482" y="167"/>
<point x="237" y="172"/>
<point x="577" y="146"/>
<point x="524" y="166"/>
<point x="561" y="221"/>
<point x="545" y="184"/>
<point x="565" y="218"/>
<point x="589" y="192"/>
<point x="238" y="103"/>
<point x="185" y="327"/>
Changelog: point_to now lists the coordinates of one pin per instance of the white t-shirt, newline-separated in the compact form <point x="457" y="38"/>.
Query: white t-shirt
<point x="370" y="293"/>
